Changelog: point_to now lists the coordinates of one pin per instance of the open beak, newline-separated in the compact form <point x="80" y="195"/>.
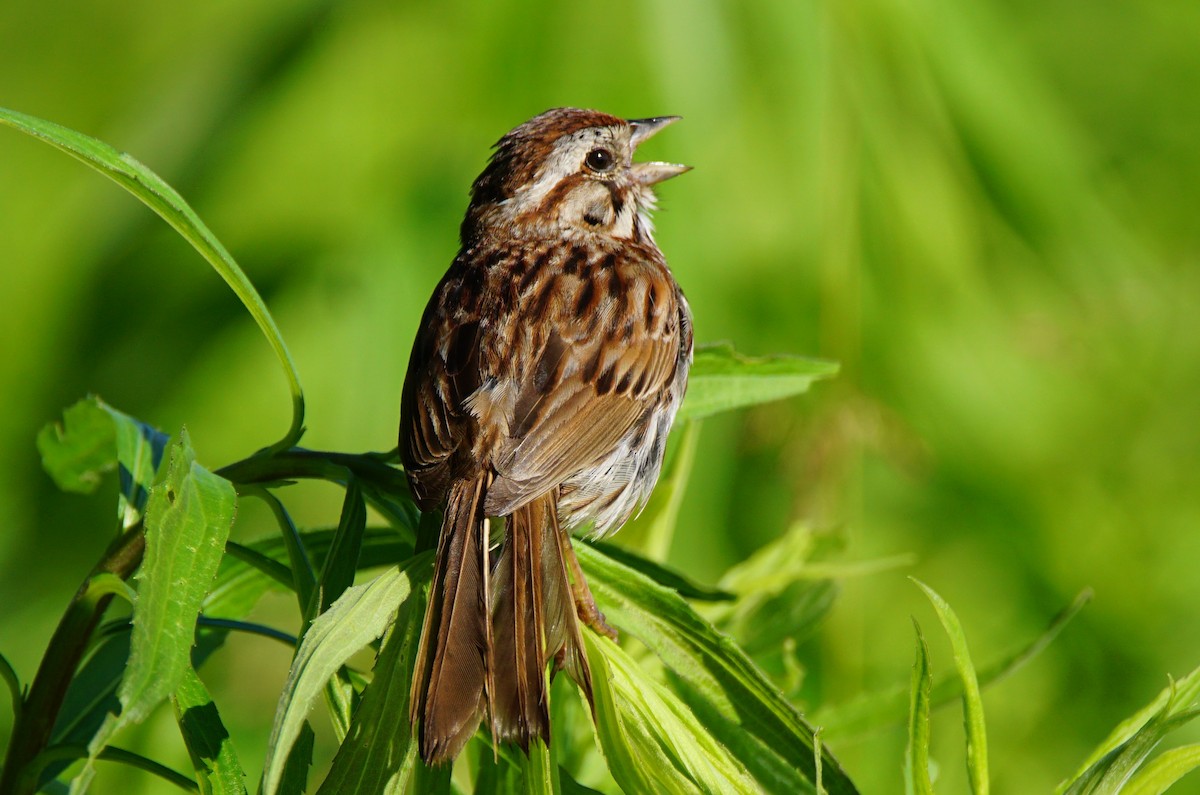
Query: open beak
<point x="652" y="173"/>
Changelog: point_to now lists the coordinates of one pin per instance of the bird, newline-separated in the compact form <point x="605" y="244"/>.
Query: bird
<point x="546" y="372"/>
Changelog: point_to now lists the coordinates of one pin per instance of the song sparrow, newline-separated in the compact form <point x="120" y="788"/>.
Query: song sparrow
<point x="544" y="378"/>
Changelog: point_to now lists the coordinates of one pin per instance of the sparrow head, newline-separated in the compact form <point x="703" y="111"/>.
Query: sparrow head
<point x="569" y="172"/>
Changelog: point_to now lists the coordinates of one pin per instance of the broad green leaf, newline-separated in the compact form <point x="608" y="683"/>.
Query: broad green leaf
<point x="977" y="761"/>
<point x="94" y="438"/>
<point x="742" y="709"/>
<point x="916" y="755"/>
<point x="722" y="379"/>
<point x="1158" y="776"/>
<point x="78" y="451"/>
<point x="160" y="197"/>
<point x="188" y="518"/>
<point x="888" y="707"/>
<point x="362" y="614"/>
<point x="379" y="754"/>
<point x="651" y="740"/>
<point x="1120" y="755"/>
<point x="209" y="745"/>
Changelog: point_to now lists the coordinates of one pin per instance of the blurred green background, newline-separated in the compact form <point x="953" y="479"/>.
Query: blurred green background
<point x="987" y="212"/>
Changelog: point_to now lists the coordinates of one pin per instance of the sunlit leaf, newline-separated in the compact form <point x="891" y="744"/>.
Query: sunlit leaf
<point x="1120" y="755"/>
<point x="361" y="615"/>
<point x="651" y="740"/>
<point x="916" y="755"/>
<point x="977" y="760"/>
<point x="722" y="379"/>
<point x="1164" y="771"/>
<point x="742" y="709"/>
<point x="94" y="438"/>
<point x="188" y="518"/>
<point x="379" y="754"/>
<point x="160" y="197"/>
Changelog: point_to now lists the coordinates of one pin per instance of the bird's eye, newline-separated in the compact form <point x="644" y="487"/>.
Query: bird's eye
<point x="599" y="160"/>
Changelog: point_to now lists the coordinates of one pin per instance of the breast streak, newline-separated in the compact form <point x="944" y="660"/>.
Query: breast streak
<point x="611" y="490"/>
<point x="593" y="298"/>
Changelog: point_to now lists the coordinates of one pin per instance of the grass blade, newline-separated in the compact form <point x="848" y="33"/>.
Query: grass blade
<point x="916" y="757"/>
<point x="977" y="761"/>
<point x="887" y="707"/>
<point x="160" y="197"/>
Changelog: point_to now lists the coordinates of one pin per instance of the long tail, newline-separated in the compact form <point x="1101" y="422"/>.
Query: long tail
<point x="448" y="680"/>
<point x="534" y="621"/>
<point x="490" y="631"/>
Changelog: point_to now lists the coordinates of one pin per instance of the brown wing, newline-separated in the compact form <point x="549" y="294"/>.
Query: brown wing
<point x="443" y="370"/>
<point x="585" y="394"/>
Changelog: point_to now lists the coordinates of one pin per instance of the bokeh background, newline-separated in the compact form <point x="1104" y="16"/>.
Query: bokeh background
<point x="987" y="212"/>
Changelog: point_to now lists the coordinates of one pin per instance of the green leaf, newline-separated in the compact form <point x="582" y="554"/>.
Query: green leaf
<point x="782" y="590"/>
<point x="652" y="742"/>
<point x="663" y="575"/>
<point x="248" y="572"/>
<point x="379" y="754"/>
<point x="299" y="760"/>
<point x="1158" y="776"/>
<point x="91" y="440"/>
<point x="160" y="197"/>
<point x="362" y="614"/>
<point x="13" y="682"/>
<point x="213" y="757"/>
<point x="337" y="574"/>
<point x="188" y="518"/>
<point x="722" y="379"/>
<point x="740" y="707"/>
<point x="916" y="756"/>
<point x="977" y="762"/>
<point x="1119" y="756"/>
<point x="888" y="707"/>
<point x="541" y="774"/>
<point x="80" y="449"/>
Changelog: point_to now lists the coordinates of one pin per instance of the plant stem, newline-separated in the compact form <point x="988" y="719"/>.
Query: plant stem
<point x="39" y="711"/>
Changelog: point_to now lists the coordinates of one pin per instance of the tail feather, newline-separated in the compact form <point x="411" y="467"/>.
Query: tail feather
<point x="564" y="638"/>
<point x="520" y="703"/>
<point x="490" y="631"/>
<point x="448" y="681"/>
